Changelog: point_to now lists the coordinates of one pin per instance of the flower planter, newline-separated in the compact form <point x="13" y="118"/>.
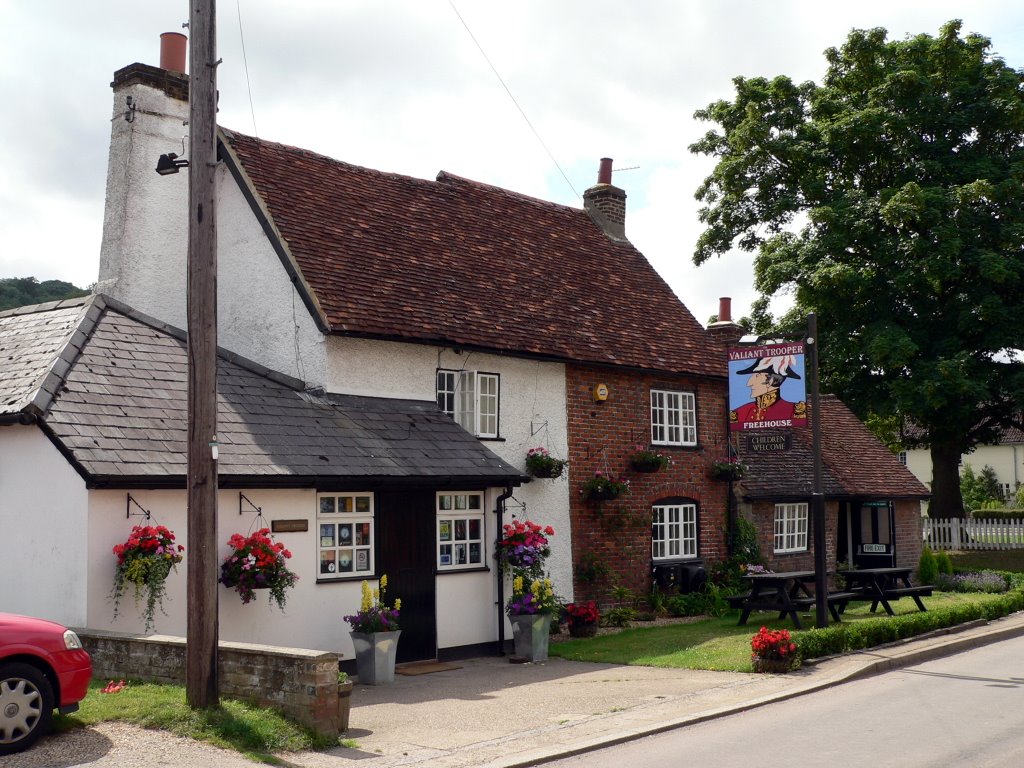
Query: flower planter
<point x="375" y="656"/>
<point x="601" y="494"/>
<point x="547" y="473"/>
<point x="344" y="704"/>
<point x="530" y="633"/>
<point x="647" y="466"/>
<point x="583" y="630"/>
<point x="774" y="666"/>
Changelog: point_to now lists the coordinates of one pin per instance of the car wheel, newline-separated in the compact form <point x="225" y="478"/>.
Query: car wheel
<point x="26" y="706"/>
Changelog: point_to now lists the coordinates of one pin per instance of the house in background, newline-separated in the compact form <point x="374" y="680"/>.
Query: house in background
<point x="1005" y="456"/>
<point x="93" y="427"/>
<point x="872" y="502"/>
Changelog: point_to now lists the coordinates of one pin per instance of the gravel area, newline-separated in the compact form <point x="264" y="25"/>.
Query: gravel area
<point x="120" y="745"/>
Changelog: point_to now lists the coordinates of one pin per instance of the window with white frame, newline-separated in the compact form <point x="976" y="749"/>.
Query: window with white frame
<point x="460" y="530"/>
<point x="673" y="418"/>
<point x="345" y="530"/>
<point x="471" y="398"/>
<point x="674" y="531"/>
<point x="901" y="457"/>
<point x="791" y="527"/>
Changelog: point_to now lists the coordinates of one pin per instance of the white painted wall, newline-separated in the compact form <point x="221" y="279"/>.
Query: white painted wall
<point x="313" y="614"/>
<point x="42" y="529"/>
<point x="145" y="245"/>
<point x="532" y="412"/>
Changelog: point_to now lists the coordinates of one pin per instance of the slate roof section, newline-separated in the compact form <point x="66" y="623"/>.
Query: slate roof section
<point x="121" y="414"/>
<point x="854" y="463"/>
<point x="36" y="345"/>
<point x="461" y="263"/>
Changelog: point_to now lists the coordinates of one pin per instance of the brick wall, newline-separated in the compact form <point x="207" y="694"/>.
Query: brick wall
<point x="762" y="515"/>
<point x="602" y="436"/>
<point x="302" y="684"/>
<point x="908" y="533"/>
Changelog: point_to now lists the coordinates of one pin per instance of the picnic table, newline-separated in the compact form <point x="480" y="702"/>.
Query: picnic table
<point x="880" y="585"/>
<point x="784" y="592"/>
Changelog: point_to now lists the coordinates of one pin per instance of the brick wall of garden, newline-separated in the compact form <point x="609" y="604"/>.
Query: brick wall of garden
<point x="762" y="515"/>
<point x="302" y="684"/>
<point x="908" y="533"/>
<point x="616" y="535"/>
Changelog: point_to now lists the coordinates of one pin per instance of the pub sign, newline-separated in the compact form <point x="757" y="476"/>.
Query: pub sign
<point x="767" y="387"/>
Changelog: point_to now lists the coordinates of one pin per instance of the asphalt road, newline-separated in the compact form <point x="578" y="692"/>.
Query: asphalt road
<point x="962" y="710"/>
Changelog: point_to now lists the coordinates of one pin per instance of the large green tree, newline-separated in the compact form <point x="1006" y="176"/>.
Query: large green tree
<point x="21" y="291"/>
<point x="889" y="200"/>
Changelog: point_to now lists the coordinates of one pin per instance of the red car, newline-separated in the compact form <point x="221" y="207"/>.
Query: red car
<point x="42" y="667"/>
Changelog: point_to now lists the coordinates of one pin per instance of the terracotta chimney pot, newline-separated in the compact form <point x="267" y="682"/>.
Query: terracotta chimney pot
<point x="172" y="51"/>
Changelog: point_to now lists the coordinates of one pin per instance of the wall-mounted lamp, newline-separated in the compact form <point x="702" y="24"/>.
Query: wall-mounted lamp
<point x="169" y="163"/>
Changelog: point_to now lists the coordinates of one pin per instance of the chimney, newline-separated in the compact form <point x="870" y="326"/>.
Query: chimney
<point x="724" y="330"/>
<point x="606" y="204"/>
<point x="172" y="51"/>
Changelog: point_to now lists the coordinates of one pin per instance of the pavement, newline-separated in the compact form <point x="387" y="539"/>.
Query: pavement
<point x="489" y="712"/>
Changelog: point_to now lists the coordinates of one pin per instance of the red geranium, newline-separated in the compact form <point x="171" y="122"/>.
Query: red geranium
<point x="257" y="562"/>
<point x="772" y="644"/>
<point x="582" y="613"/>
<point x="145" y="560"/>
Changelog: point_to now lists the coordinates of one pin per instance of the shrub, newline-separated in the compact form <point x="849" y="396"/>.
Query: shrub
<point x="927" y="569"/>
<point x="708" y="601"/>
<point x="840" y="638"/>
<point x="973" y="581"/>
<point x="943" y="563"/>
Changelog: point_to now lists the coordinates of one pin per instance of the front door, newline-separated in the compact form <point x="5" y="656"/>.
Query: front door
<point x="406" y="540"/>
<point x="867" y="536"/>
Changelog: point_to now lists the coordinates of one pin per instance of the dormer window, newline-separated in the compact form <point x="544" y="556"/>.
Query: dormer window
<point x="471" y="398"/>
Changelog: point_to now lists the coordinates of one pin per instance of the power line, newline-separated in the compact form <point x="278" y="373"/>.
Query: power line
<point x="509" y="92"/>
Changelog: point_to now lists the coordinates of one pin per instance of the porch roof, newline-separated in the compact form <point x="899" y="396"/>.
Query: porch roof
<point x="854" y="463"/>
<point x="120" y="414"/>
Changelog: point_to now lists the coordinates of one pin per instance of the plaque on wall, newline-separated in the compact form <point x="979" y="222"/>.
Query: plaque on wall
<point x="289" y="526"/>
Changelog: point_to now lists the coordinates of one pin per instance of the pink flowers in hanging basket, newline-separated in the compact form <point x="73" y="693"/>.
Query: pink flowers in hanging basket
<point x="257" y="562"/>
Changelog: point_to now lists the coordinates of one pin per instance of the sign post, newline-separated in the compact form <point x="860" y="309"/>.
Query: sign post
<point x="817" y="493"/>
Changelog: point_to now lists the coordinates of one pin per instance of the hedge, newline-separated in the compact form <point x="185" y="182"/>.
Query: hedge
<point x="998" y="514"/>
<point x="840" y="638"/>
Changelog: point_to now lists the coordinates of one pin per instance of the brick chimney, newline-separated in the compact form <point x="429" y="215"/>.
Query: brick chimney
<point x="725" y="330"/>
<point x="606" y="204"/>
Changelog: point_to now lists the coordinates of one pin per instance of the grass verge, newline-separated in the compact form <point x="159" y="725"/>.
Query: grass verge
<point x="254" y="731"/>
<point x="721" y="644"/>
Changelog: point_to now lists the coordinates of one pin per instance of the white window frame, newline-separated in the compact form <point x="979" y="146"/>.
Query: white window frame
<point x="673" y="417"/>
<point x="455" y="510"/>
<point x="791" y="523"/>
<point x="347" y="519"/>
<point x="471" y="398"/>
<point x="674" y="531"/>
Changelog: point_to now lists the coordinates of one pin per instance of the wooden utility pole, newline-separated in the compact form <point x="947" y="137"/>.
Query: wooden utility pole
<point x="201" y="688"/>
<point x="817" y="492"/>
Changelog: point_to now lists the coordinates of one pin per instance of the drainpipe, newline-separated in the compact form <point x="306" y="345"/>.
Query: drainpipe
<point x="499" y="510"/>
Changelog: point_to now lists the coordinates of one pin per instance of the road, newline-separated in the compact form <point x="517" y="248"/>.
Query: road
<point x="963" y="710"/>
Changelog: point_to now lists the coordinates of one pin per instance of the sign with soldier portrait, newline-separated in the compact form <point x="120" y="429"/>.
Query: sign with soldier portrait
<point x="767" y="387"/>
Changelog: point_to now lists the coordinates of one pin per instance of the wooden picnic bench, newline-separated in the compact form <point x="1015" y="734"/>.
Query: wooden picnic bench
<point x="880" y="585"/>
<point x="785" y="593"/>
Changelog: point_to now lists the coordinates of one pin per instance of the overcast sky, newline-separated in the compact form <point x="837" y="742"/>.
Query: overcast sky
<point x="400" y="85"/>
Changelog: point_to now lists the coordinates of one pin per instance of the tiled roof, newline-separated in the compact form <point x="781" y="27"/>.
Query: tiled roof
<point x="1007" y="435"/>
<point x="854" y="463"/>
<point x="121" y="411"/>
<point x="457" y="262"/>
<point x="33" y="345"/>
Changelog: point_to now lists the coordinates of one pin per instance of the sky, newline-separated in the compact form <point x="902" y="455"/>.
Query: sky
<point x="402" y="86"/>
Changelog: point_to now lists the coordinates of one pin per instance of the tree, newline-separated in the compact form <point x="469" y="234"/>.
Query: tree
<point x="979" y="489"/>
<point x="21" y="291"/>
<point x="888" y="201"/>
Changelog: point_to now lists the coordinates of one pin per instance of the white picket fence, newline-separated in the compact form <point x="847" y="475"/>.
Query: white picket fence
<point x="973" y="533"/>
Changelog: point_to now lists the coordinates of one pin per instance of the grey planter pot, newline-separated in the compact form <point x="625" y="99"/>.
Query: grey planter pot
<point x="530" y="634"/>
<point x="375" y="656"/>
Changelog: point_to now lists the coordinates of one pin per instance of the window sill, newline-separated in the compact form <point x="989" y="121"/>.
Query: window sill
<point x="345" y="579"/>
<point x="490" y="439"/>
<point x="448" y="571"/>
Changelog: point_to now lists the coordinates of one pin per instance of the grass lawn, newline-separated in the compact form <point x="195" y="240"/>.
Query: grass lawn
<point x="253" y="731"/>
<point x="719" y="643"/>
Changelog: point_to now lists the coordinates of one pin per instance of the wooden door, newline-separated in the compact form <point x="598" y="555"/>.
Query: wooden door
<point x="406" y="542"/>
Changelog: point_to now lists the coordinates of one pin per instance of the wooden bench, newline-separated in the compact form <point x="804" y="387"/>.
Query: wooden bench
<point x="837" y="601"/>
<point x="915" y="592"/>
<point x="737" y="601"/>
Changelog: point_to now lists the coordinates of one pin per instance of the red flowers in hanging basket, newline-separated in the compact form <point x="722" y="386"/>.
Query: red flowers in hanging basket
<point x="257" y="562"/>
<point x="145" y="561"/>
